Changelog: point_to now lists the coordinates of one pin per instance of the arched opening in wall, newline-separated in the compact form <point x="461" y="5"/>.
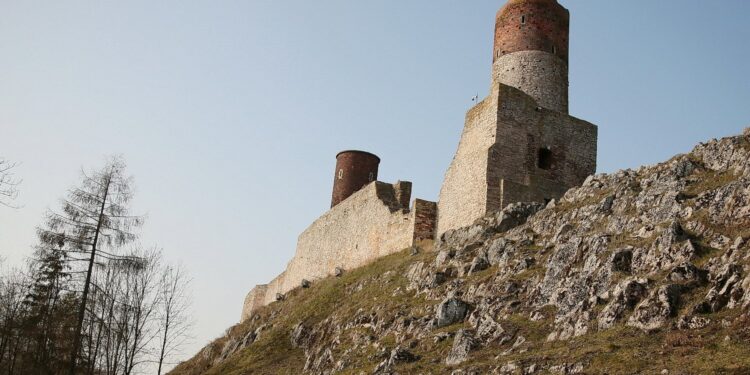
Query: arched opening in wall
<point x="544" y="159"/>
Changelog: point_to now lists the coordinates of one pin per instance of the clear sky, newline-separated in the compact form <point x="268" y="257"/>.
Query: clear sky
<point x="230" y="113"/>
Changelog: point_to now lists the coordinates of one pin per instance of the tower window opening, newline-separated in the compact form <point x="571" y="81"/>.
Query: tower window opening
<point x="371" y="177"/>
<point x="341" y="174"/>
<point x="544" y="160"/>
<point x="523" y="20"/>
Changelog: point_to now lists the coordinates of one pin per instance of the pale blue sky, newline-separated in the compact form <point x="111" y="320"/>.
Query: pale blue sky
<point x="230" y="113"/>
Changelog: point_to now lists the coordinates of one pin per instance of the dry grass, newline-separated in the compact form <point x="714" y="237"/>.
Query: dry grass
<point x="620" y="350"/>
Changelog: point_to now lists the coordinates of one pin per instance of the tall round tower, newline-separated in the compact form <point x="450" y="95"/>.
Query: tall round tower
<point x="354" y="170"/>
<point x="531" y="50"/>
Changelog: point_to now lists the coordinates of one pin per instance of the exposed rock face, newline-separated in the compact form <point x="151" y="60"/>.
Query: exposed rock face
<point x="463" y="343"/>
<point x="655" y="311"/>
<point x="660" y="251"/>
<point x="450" y="311"/>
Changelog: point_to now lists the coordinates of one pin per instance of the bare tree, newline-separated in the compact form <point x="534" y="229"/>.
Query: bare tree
<point x="174" y="321"/>
<point x="142" y="281"/>
<point x="125" y="312"/>
<point x="13" y="288"/>
<point x="8" y="183"/>
<point x="94" y="222"/>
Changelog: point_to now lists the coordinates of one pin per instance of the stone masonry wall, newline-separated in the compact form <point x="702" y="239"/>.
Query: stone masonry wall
<point x="370" y="224"/>
<point x="425" y="220"/>
<point x="514" y="173"/>
<point x="274" y="287"/>
<point x="497" y="162"/>
<point x="463" y="195"/>
<point x="542" y="75"/>
<point x="253" y="300"/>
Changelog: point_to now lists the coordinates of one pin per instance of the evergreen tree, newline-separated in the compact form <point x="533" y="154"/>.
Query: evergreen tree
<point x="93" y="224"/>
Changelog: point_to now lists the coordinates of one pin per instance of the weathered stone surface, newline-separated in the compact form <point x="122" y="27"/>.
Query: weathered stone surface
<point x="654" y="312"/>
<point x="488" y="330"/>
<point x="499" y="155"/>
<point x="727" y="289"/>
<point x="510" y="368"/>
<point x="621" y="260"/>
<point x="539" y="74"/>
<point x="320" y="360"/>
<point x="463" y="344"/>
<point x="479" y="263"/>
<point x="300" y="336"/>
<point x="400" y="355"/>
<point x="369" y="224"/>
<point x="451" y="311"/>
<point x="692" y="322"/>
<point x="254" y="299"/>
<point x="625" y="296"/>
<point x="687" y="273"/>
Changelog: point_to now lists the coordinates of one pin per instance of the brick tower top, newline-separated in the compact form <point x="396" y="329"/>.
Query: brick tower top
<point x="354" y="170"/>
<point x="532" y="25"/>
<point x="531" y="51"/>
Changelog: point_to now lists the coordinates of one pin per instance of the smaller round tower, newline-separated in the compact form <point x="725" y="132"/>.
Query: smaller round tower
<point x="354" y="170"/>
<point x="531" y="50"/>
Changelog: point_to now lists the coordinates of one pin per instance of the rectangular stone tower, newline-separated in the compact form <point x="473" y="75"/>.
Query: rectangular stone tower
<point x="519" y="144"/>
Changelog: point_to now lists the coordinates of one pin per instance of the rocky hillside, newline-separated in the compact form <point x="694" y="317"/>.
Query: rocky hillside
<point x="641" y="271"/>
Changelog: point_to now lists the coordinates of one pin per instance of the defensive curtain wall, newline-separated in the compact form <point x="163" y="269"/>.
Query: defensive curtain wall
<point x="373" y="222"/>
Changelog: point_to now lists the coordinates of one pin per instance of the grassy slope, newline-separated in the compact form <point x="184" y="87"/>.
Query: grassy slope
<point x="621" y="350"/>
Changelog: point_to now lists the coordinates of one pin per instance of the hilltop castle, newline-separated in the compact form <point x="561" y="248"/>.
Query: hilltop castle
<point x="518" y="144"/>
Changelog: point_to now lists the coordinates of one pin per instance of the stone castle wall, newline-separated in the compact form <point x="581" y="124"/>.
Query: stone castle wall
<point x="371" y="223"/>
<point x="425" y="220"/>
<point x="524" y="130"/>
<point x="498" y="158"/>
<point x="463" y="195"/>
<point x="542" y="75"/>
<point x="255" y="299"/>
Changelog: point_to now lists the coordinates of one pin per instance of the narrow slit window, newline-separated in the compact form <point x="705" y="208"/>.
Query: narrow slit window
<point x="544" y="160"/>
<point x="372" y="176"/>
<point x="523" y="20"/>
<point x="341" y="174"/>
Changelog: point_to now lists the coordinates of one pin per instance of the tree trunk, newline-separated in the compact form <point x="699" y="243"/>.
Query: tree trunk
<point x="82" y="311"/>
<point x="163" y="344"/>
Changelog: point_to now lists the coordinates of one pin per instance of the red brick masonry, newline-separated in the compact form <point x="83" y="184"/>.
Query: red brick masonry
<point x="532" y="25"/>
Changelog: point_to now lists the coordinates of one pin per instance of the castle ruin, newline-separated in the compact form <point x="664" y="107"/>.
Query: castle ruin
<point x="519" y="144"/>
